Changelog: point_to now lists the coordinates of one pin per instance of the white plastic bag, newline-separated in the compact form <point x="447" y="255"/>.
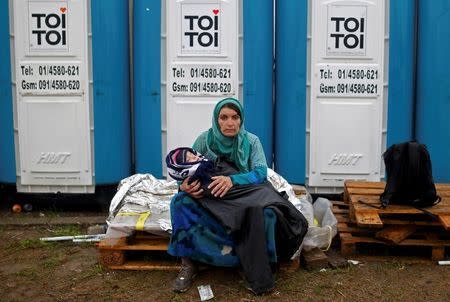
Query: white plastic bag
<point x="322" y="234"/>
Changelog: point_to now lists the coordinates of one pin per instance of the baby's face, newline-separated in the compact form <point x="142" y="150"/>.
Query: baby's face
<point x="192" y="158"/>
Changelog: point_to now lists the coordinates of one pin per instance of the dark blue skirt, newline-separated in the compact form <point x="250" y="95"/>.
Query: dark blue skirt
<point x="199" y="236"/>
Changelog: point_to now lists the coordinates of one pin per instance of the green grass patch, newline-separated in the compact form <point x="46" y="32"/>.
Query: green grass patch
<point x="322" y="288"/>
<point x="31" y="244"/>
<point x="96" y="269"/>
<point x="67" y="230"/>
<point x="51" y="263"/>
<point x="29" y="273"/>
<point x="178" y="298"/>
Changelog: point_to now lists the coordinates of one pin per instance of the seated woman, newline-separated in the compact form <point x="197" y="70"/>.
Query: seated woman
<point x="243" y="221"/>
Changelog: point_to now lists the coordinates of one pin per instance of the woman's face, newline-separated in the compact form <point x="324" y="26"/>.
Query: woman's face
<point x="229" y="122"/>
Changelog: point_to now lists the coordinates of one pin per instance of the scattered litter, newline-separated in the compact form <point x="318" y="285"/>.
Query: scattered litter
<point x="354" y="262"/>
<point x="341" y="293"/>
<point x="79" y="238"/>
<point x="41" y="214"/>
<point x="205" y="292"/>
<point x="444" y="262"/>
<point x="17" y="208"/>
<point x="323" y="270"/>
<point x="27" y="207"/>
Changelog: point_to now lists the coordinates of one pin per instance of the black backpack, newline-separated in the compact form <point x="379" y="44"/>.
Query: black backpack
<point x="409" y="179"/>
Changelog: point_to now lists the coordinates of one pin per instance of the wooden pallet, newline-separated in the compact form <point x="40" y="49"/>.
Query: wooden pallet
<point x="151" y="250"/>
<point x="121" y="253"/>
<point x="356" y="193"/>
<point x="141" y="251"/>
<point x="396" y="232"/>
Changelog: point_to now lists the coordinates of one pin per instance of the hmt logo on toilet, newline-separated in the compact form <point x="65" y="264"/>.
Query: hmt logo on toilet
<point x="347" y="30"/>
<point x="48" y="25"/>
<point x="200" y="29"/>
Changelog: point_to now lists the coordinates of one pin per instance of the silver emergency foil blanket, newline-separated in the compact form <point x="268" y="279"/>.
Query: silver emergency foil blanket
<point x="142" y="202"/>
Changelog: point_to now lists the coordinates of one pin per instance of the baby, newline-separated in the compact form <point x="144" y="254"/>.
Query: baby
<point x="185" y="162"/>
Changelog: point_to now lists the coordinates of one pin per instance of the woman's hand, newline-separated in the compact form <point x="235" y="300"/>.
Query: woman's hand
<point x="220" y="185"/>
<point x="192" y="189"/>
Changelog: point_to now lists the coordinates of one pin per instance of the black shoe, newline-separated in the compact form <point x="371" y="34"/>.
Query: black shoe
<point x="260" y="292"/>
<point x="184" y="279"/>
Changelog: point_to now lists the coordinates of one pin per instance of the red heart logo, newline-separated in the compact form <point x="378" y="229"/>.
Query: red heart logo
<point x="63" y="9"/>
<point x="215" y="11"/>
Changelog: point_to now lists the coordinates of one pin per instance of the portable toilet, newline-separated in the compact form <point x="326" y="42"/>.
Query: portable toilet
<point x="433" y="84"/>
<point x="65" y="123"/>
<point x="344" y="88"/>
<point x="7" y="161"/>
<point x="187" y="56"/>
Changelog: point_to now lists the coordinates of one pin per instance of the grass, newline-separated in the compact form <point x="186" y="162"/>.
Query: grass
<point x="380" y="267"/>
<point x="96" y="269"/>
<point x="29" y="273"/>
<point x="51" y="262"/>
<point x="178" y="297"/>
<point x="51" y="213"/>
<point x="30" y="244"/>
<point x="67" y="230"/>
<point x="321" y="288"/>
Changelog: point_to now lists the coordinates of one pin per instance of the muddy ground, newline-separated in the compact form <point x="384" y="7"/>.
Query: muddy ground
<point x="31" y="270"/>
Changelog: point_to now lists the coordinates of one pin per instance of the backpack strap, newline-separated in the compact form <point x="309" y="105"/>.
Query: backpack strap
<point x="433" y="216"/>
<point x="372" y="205"/>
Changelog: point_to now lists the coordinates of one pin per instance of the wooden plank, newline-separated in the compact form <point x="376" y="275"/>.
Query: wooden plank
<point x="395" y="234"/>
<point x="442" y="208"/>
<point x="145" y="235"/>
<point x="140" y="247"/>
<point x="368" y="219"/>
<point x="110" y="242"/>
<point x="437" y="252"/>
<point x="365" y="191"/>
<point x="443" y="194"/>
<point x="378" y="191"/>
<point x="354" y="199"/>
<point x="345" y="228"/>
<point x="442" y="187"/>
<point x="108" y="257"/>
<point x="146" y="265"/>
<point x="314" y="259"/>
<point x="364" y="184"/>
<point x="290" y="266"/>
<point x="340" y="211"/>
<point x="381" y="185"/>
<point x="340" y="203"/>
<point x="445" y="220"/>
<point x="406" y="242"/>
<point x="342" y="218"/>
<point x="347" y="246"/>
